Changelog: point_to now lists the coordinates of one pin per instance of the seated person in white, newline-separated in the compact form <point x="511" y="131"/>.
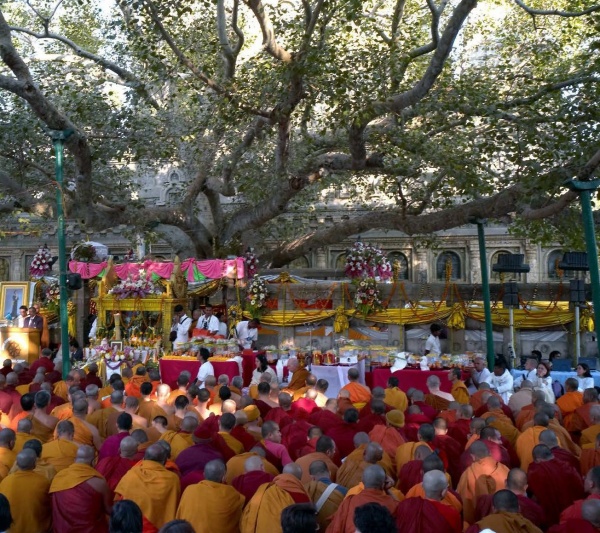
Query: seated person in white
<point x="262" y="367"/>
<point x="584" y="377"/>
<point x="529" y="373"/>
<point x="501" y="381"/>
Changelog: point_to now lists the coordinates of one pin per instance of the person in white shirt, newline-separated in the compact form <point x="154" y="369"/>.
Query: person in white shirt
<point x="206" y="369"/>
<point x="530" y="373"/>
<point x="432" y="344"/>
<point x="501" y="381"/>
<point x="262" y="367"/>
<point x="247" y="333"/>
<point x="208" y="321"/>
<point x="479" y="373"/>
<point x="584" y="377"/>
<point x="181" y="325"/>
<point x="223" y="330"/>
<point x="543" y="381"/>
<point x="22" y="316"/>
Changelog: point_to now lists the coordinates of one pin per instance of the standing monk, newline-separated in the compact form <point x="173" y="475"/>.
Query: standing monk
<point x="80" y="497"/>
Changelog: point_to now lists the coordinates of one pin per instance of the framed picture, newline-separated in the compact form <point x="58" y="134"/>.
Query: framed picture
<point x="118" y="345"/>
<point x="12" y="296"/>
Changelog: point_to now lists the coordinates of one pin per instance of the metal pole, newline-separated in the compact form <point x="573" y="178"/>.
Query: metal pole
<point x="577" y="337"/>
<point x="485" y="288"/>
<point x="58" y="139"/>
<point x="511" y="326"/>
<point x="585" y="189"/>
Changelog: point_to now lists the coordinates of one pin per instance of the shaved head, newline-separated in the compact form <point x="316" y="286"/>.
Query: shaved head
<point x="85" y="455"/>
<point x="374" y="477"/>
<point x="128" y="447"/>
<point x="435" y="484"/>
<point x="293" y="469"/>
<point x="253" y="464"/>
<point x="26" y="459"/>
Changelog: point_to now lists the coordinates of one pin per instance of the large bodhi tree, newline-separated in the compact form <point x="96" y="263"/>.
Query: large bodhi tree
<point x="444" y="109"/>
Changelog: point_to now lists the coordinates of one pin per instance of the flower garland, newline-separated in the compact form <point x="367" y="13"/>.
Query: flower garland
<point x="134" y="287"/>
<point x="367" y="298"/>
<point x="251" y="263"/>
<point x="256" y="297"/>
<point x="367" y="261"/>
<point x="41" y="263"/>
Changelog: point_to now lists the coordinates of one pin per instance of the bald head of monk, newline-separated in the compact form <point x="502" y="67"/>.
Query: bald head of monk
<point x="85" y="455"/>
<point x="318" y="470"/>
<point x="414" y="410"/>
<point x="378" y="393"/>
<point x="65" y="429"/>
<point x="156" y="453"/>
<point x="258" y="450"/>
<point x="361" y="438"/>
<point x="330" y="405"/>
<point x="373" y="453"/>
<point x="35" y="445"/>
<point x="140" y="436"/>
<point x="315" y="432"/>
<point x="292" y="469"/>
<point x="541" y="453"/>
<point x="426" y="433"/>
<point x="432" y="462"/>
<point x="516" y="481"/>
<point x="590" y="395"/>
<point x="541" y="419"/>
<point x="351" y="416"/>
<point x="435" y="485"/>
<point x="228" y="406"/>
<point x="254" y="463"/>
<point x="116" y="398"/>
<point x="7" y="438"/>
<point x="506" y="501"/>
<point x="311" y="394"/>
<point x="24" y="425"/>
<point x="128" y="447"/>
<point x="227" y="422"/>
<point x="285" y="401"/>
<point x="26" y="459"/>
<point x="189" y="424"/>
<point x="590" y="511"/>
<point x="42" y="399"/>
<point x="241" y="418"/>
<point x="215" y="471"/>
<point x="162" y="392"/>
<point x="493" y="402"/>
<point x="549" y="438"/>
<point x="571" y="385"/>
<point x="479" y="450"/>
<point x="418" y="396"/>
<point x="165" y="446"/>
<point x="421" y="452"/>
<point x="326" y="445"/>
<point x="80" y="408"/>
<point x="476" y="425"/>
<point x="526" y="384"/>
<point x="353" y="374"/>
<point x="374" y="477"/>
<point x="592" y="481"/>
<point x="440" y="426"/>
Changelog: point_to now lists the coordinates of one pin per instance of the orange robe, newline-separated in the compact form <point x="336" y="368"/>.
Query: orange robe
<point x="350" y="473"/>
<point x="568" y="404"/>
<point x="18" y="417"/>
<point x="460" y="392"/>
<point x="27" y="493"/>
<point x="507" y="523"/>
<point x="476" y="400"/>
<point x="406" y="453"/>
<point x="220" y="509"/>
<point x="60" y="453"/>
<point x="305" y="461"/>
<point x="581" y="418"/>
<point x="41" y="431"/>
<point x="133" y="387"/>
<point x="263" y="511"/>
<point x="589" y="459"/>
<point x="396" y="399"/>
<point x="20" y="440"/>
<point x="393" y="492"/>
<point x="155" y="489"/>
<point x="486" y="476"/>
<point x="7" y="457"/>
<point x="525" y="444"/>
<point x="61" y="389"/>
<point x="388" y="438"/>
<point x="358" y="393"/>
<point x="82" y="434"/>
<point x="298" y="379"/>
<point x="588" y="436"/>
<point x="343" y="519"/>
<point x="386" y="463"/>
<point x="315" y="490"/>
<point x="63" y="412"/>
<point x="503" y="424"/>
<point x="437" y="402"/>
<point x="150" y="410"/>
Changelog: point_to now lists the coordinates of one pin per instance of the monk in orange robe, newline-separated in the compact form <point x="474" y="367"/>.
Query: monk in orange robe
<point x="588" y="435"/>
<point x="389" y="435"/>
<point x="406" y="452"/>
<point x="299" y="375"/>
<point x="23" y="434"/>
<point x="374" y="480"/>
<point x="133" y="387"/>
<point x="581" y="418"/>
<point x="7" y="443"/>
<point x="85" y="433"/>
<point x="325" y="450"/>
<point x="360" y="395"/>
<point x="155" y="489"/>
<point x="569" y="402"/>
<point x="221" y="505"/>
<point x="497" y="419"/>
<point x="506" y="517"/>
<point x="394" y="396"/>
<point x="529" y="439"/>
<point x="590" y="457"/>
<point x="320" y="481"/>
<point x="480" y="397"/>
<point x="27" y="493"/>
<point x="43" y="424"/>
<point x="27" y="403"/>
<point x="459" y="389"/>
<point x="81" y="499"/>
<point x="61" y="452"/>
<point x="351" y="472"/>
<point x="484" y="476"/>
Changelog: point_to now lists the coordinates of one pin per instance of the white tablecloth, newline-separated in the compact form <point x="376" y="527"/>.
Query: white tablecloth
<point x="337" y="376"/>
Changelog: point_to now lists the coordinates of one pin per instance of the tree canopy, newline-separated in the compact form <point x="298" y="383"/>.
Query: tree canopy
<point x="424" y="113"/>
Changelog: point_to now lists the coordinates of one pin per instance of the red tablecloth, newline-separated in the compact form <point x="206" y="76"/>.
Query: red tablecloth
<point x="171" y="368"/>
<point x="411" y="378"/>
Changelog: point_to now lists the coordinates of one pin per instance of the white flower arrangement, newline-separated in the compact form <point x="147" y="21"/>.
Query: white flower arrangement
<point x="41" y="263"/>
<point x="139" y="287"/>
<point x="256" y="295"/>
<point x="367" y="261"/>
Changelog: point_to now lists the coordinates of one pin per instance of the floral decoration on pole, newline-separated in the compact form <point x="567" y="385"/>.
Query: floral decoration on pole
<point x="367" y="298"/>
<point x="52" y="296"/>
<point x="367" y="261"/>
<point x="256" y="297"/>
<point x="251" y="263"/>
<point x="41" y="263"/>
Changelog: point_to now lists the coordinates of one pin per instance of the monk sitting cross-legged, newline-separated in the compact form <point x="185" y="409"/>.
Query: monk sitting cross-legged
<point x="113" y="468"/>
<point x="549" y="438"/>
<point x="429" y="513"/>
<point x="581" y="416"/>
<point x="298" y="375"/>
<point x="592" y="487"/>
<point x="391" y="435"/>
<point x="320" y="482"/>
<point x="351" y="472"/>
<point x="569" y="402"/>
<point x="253" y="477"/>
<point x="325" y="451"/>
<point x="506" y="516"/>
<point x="406" y="452"/>
<point x="438" y="399"/>
<point x="459" y="389"/>
<point x="588" y="435"/>
<point x="42" y="467"/>
<point x="411" y="473"/>
<point x="394" y="396"/>
<point x="588" y="523"/>
<point x="590" y="457"/>
<point x="359" y="394"/>
<point x="61" y="452"/>
<point x="374" y="481"/>
<point x="81" y="499"/>
<point x="211" y="505"/>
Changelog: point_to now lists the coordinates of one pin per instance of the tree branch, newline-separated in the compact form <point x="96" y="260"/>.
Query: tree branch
<point x="557" y="12"/>
<point x="269" y="41"/>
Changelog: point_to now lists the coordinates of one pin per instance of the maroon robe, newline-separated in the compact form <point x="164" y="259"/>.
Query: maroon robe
<point x="452" y="451"/>
<point x="460" y="431"/>
<point x="194" y="458"/>
<point x="193" y="477"/>
<point x="421" y="515"/>
<point x="505" y="409"/>
<point x="247" y="484"/>
<point x="263" y="408"/>
<point x="324" y="419"/>
<point x="93" y="379"/>
<point x="411" y="474"/>
<point x="555" y="486"/>
<point x="528" y="508"/>
<point x="429" y="412"/>
<point x="309" y="447"/>
<point x="279" y="416"/>
<point x="576" y="525"/>
<point x="303" y="408"/>
<point x="111" y="446"/>
<point x="210" y="426"/>
<point x="54" y="377"/>
<point x="114" y="468"/>
<point x="343" y="436"/>
<point x="55" y="401"/>
<point x="41" y="362"/>
<point x="293" y="437"/>
<point x="244" y="437"/>
<point x="367" y="423"/>
<point x="499" y="453"/>
<point x="79" y="510"/>
<point x="412" y="423"/>
<point x="567" y="457"/>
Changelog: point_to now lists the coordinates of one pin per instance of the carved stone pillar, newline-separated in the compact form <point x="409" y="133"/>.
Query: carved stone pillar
<point x="321" y="258"/>
<point x="422" y="266"/>
<point x="531" y="258"/>
<point x="474" y="266"/>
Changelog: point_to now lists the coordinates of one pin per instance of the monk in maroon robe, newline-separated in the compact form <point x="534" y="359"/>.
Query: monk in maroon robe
<point x="461" y="429"/>
<point x="194" y="458"/>
<point x="553" y="483"/>
<point x="411" y="473"/>
<point x="343" y="434"/>
<point x="413" y="420"/>
<point x="114" y="468"/>
<point x="247" y="484"/>
<point x="327" y="417"/>
<point x="293" y="437"/>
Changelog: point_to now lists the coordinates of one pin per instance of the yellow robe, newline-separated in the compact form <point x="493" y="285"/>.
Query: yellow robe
<point x="235" y="466"/>
<point x="263" y="511"/>
<point x="30" y="506"/>
<point x="221" y="507"/>
<point x="21" y="439"/>
<point x="406" y="453"/>
<point x="460" y="392"/>
<point x="177" y="442"/>
<point x="154" y="489"/>
<point x="7" y="457"/>
<point x="60" y="453"/>
<point x="396" y="399"/>
<point x="232" y="442"/>
<point x="41" y="431"/>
